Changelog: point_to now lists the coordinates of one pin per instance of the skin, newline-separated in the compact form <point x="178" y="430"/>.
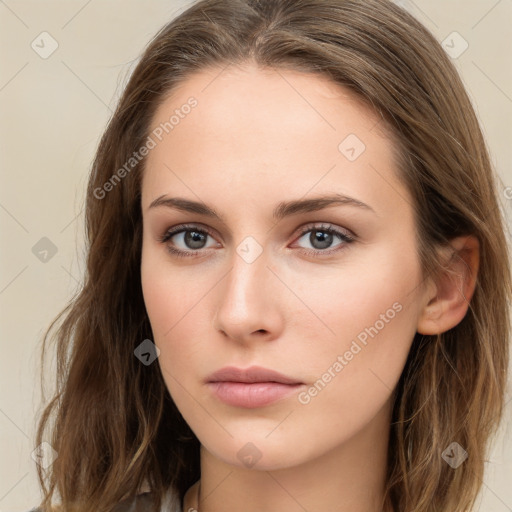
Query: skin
<point x="258" y="138"/>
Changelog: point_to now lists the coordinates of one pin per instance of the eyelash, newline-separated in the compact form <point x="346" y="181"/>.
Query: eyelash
<point x="346" y="239"/>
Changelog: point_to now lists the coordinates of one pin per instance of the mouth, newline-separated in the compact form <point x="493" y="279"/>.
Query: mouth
<point x="252" y="387"/>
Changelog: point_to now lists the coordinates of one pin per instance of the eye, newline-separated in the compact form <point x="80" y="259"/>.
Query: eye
<point x="322" y="237"/>
<point x="186" y="240"/>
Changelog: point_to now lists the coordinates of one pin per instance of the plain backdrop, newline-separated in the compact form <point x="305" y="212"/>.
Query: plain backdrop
<point x="53" y="110"/>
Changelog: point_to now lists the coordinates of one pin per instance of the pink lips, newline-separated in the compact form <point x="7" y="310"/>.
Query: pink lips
<point x="251" y="387"/>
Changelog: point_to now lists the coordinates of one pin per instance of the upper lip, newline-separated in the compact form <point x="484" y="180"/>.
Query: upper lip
<point x="252" y="374"/>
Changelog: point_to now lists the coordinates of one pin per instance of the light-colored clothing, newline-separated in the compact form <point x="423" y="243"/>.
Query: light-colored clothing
<point x="171" y="503"/>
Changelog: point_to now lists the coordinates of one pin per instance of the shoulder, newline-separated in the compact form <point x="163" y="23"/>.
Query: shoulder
<point x="141" y="503"/>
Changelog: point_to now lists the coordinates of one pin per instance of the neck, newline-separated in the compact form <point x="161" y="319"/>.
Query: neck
<point x="348" y="478"/>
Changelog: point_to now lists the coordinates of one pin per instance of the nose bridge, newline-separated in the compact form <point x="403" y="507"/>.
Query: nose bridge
<point x="246" y="282"/>
<point x="248" y="299"/>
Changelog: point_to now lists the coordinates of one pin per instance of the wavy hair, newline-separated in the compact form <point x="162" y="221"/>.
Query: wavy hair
<point x="112" y="420"/>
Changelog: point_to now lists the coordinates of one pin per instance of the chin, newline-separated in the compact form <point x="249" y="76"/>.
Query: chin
<point x="261" y="453"/>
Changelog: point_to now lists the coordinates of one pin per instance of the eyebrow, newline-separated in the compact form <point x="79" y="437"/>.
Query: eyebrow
<point x="282" y="210"/>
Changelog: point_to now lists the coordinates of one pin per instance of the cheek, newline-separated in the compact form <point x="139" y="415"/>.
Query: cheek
<point x="175" y="305"/>
<point x="170" y="295"/>
<point x="374" y="321"/>
<point x="368" y="295"/>
<point x="167" y="306"/>
<point x="370" y="300"/>
<point x="354" y="380"/>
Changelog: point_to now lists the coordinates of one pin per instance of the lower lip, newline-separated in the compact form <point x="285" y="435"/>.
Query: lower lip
<point x="252" y="395"/>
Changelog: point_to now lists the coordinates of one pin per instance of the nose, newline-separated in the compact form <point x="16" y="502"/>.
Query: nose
<point x="249" y="302"/>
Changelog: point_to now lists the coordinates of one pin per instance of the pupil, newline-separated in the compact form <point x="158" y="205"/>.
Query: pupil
<point x="322" y="238"/>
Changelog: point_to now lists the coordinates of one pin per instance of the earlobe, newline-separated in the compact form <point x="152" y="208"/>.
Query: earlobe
<point x="447" y="304"/>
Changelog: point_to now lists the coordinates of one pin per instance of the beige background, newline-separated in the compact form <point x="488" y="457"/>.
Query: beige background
<point x="53" y="112"/>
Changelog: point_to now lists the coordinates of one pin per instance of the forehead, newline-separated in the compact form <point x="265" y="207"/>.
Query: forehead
<point x="267" y="93"/>
<point x="259" y="129"/>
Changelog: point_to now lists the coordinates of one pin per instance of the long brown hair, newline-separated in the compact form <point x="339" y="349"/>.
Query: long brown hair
<point x="112" y="421"/>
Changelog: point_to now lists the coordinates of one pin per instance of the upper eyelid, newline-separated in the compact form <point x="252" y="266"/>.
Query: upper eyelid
<point x="319" y="226"/>
<point x="180" y="228"/>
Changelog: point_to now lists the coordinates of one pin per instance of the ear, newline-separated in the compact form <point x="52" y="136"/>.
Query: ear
<point x="447" y="301"/>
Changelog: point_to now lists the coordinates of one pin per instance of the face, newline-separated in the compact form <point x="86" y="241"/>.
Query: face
<point x="265" y="273"/>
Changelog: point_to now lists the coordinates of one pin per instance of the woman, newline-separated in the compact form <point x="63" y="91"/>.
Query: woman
<point x="297" y="281"/>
